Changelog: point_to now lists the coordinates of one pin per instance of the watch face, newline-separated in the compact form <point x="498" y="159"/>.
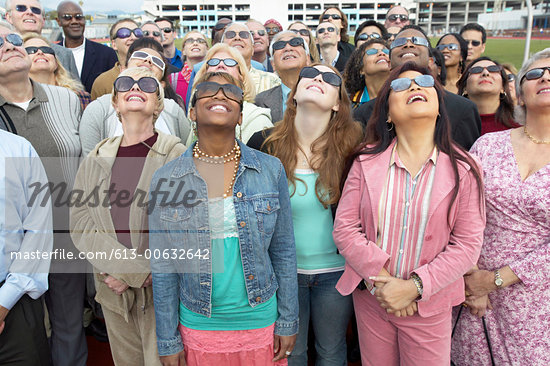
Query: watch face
<point x="499" y="282"/>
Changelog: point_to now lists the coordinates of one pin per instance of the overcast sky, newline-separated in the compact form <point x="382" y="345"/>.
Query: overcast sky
<point x="132" y="6"/>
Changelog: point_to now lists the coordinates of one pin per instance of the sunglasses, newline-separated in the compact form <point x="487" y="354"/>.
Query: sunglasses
<point x="167" y="30"/>
<point x="78" y="16"/>
<point x="272" y="29"/>
<point x="260" y="33"/>
<point x="534" y="74"/>
<point x="391" y="35"/>
<point x="23" y="8"/>
<point x="474" y="43"/>
<point x="401" y="41"/>
<point x="424" y="81"/>
<point x="193" y="40"/>
<point x="479" y="69"/>
<point x="329" y="77"/>
<point x="294" y="42"/>
<point x="333" y="16"/>
<point x="302" y="32"/>
<point x="394" y="17"/>
<point x="233" y="34"/>
<point x="14" y="39"/>
<point x="450" y="46"/>
<point x="147" y="33"/>
<point x="45" y="49"/>
<point x="208" y="89"/>
<point x="127" y="32"/>
<point x="375" y="51"/>
<point x="365" y="36"/>
<point x="511" y="77"/>
<point x="146" y="84"/>
<point x="142" y="55"/>
<point x="328" y="29"/>
<point x="229" y="62"/>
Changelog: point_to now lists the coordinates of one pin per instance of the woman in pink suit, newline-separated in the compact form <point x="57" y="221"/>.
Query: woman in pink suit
<point x="409" y="224"/>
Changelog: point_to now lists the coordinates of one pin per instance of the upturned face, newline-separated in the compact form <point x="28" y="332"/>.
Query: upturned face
<point x="25" y="19"/>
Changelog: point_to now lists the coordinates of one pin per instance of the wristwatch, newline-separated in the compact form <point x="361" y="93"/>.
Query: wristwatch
<point x="498" y="280"/>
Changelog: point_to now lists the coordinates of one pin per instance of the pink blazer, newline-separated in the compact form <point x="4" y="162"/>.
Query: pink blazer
<point x="447" y="253"/>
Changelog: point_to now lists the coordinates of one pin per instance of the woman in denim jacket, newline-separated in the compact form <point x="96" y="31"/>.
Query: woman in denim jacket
<point x="222" y="244"/>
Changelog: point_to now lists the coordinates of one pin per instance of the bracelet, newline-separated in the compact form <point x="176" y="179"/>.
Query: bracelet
<point x="418" y="283"/>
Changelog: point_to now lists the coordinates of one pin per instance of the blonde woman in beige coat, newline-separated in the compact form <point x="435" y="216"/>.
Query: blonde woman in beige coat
<point x="109" y="216"/>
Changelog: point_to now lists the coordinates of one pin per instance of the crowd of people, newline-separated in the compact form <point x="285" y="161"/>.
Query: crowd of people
<point x="267" y="190"/>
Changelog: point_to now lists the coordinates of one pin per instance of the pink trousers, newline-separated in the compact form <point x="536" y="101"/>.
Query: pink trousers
<point x="386" y="340"/>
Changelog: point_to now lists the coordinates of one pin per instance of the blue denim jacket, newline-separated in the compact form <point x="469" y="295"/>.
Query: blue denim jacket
<point x="179" y="240"/>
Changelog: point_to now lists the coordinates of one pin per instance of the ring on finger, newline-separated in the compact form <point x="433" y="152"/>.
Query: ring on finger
<point x="288" y="353"/>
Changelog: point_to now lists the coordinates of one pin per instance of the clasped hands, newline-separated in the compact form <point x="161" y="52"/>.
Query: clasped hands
<point x="118" y="286"/>
<point x="479" y="283"/>
<point x="395" y="295"/>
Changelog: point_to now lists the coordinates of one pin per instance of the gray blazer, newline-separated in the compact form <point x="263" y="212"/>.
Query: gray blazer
<point x="272" y="99"/>
<point x="65" y="56"/>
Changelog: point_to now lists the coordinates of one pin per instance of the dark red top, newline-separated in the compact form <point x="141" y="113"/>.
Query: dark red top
<point x="490" y="124"/>
<point x="124" y="180"/>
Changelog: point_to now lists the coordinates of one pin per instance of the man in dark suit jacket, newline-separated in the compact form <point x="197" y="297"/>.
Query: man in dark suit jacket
<point x="287" y="61"/>
<point x="92" y="58"/>
<point x="462" y="113"/>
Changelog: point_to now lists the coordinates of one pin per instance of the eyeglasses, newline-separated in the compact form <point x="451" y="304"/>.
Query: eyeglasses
<point x="302" y="32"/>
<point x="365" y="36"/>
<point x="142" y="55"/>
<point x="193" y="40"/>
<point x="23" y="8"/>
<point x="167" y="30"/>
<point x="273" y="30"/>
<point x="511" y="77"/>
<point x="424" y="81"/>
<point x="333" y="16"/>
<point x="127" y="32"/>
<point x="233" y="34"/>
<point x="260" y="33"/>
<point x="375" y="51"/>
<point x="329" y="77"/>
<point x="78" y="16"/>
<point x="229" y="62"/>
<point x="394" y="17"/>
<point x="479" y="69"/>
<point x="146" y="84"/>
<point x="534" y="73"/>
<point x="294" y="42"/>
<point x="147" y="33"/>
<point x="46" y="50"/>
<point x="328" y="29"/>
<point x="14" y="39"/>
<point x="391" y="35"/>
<point x="401" y="41"/>
<point x="450" y="46"/>
<point x="473" y="42"/>
<point x="208" y="89"/>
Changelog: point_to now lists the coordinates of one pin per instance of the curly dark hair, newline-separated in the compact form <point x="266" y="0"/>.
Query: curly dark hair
<point x="354" y="81"/>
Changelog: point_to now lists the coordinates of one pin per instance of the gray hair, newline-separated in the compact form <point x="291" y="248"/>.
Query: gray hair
<point x="156" y="25"/>
<point x="520" y="110"/>
<point x="241" y="24"/>
<point x="280" y="35"/>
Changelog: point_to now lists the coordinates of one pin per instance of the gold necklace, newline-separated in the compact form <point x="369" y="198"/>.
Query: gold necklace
<point x="235" y="170"/>
<point x="539" y="142"/>
<point x="198" y="152"/>
<point x="213" y="159"/>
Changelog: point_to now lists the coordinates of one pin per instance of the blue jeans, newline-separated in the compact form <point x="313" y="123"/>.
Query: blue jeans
<point x="329" y="313"/>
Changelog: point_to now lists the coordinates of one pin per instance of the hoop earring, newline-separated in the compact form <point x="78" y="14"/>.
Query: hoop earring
<point x="502" y="94"/>
<point x="390" y="126"/>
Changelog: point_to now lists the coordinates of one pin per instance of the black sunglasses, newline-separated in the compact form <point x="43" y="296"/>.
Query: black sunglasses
<point x="167" y="30"/>
<point x="294" y="42"/>
<point x="45" y="49"/>
<point x="390" y="35"/>
<point x="229" y="62"/>
<point x="328" y="29"/>
<point x="208" y="89"/>
<point x="78" y="16"/>
<point x="127" y="32"/>
<point x="14" y="39"/>
<point x="534" y="74"/>
<point x="147" y="33"/>
<point x="450" y="46"/>
<point x="233" y="34"/>
<point x="260" y="32"/>
<point x="511" y="77"/>
<point x="424" y="81"/>
<point x="329" y="77"/>
<point x="23" y="8"/>
<point x="394" y="17"/>
<point x="401" y="41"/>
<point x="474" y="43"/>
<point x="302" y="32"/>
<point x="333" y="16"/>
<point x="365" y="36"/>
<point x="479" y="69"/>
<point x="146" y="84"/>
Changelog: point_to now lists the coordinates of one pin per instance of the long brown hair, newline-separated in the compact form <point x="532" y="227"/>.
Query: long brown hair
<point x="330" y="150"/>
